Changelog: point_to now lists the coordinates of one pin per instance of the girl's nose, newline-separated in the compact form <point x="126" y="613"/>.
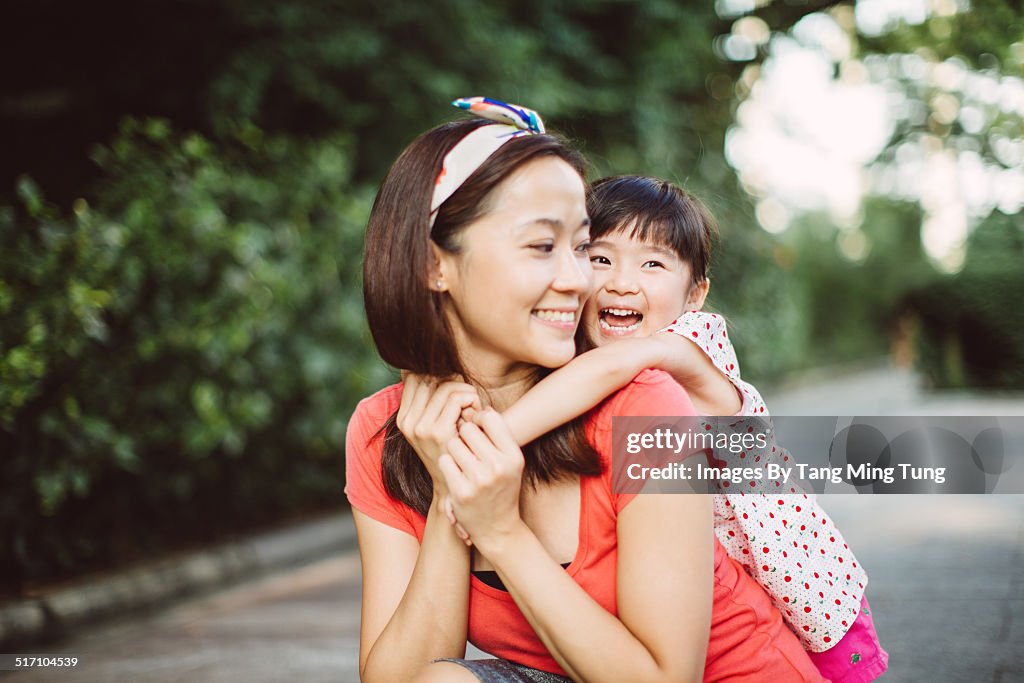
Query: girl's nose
<point x="621" y="282"/>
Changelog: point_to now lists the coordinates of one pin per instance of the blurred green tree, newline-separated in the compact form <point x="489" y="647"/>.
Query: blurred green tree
<point x="178" y="362"/>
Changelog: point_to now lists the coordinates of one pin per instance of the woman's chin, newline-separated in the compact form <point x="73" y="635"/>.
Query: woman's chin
<point x="556" y="356"/>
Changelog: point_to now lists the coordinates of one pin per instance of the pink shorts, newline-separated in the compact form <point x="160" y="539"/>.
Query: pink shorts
<point x="857" y="657"/>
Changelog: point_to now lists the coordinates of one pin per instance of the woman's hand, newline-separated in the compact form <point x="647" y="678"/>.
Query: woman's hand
<point x="483" y="471"/>
<point x="428" y="417"/>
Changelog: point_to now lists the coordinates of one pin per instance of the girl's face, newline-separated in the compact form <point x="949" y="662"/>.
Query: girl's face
<point x="639" y="288"/>
<point x="518" y="283"/>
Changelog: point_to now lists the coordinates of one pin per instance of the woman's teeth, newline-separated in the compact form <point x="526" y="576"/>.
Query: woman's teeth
<point x="556" y="316"/>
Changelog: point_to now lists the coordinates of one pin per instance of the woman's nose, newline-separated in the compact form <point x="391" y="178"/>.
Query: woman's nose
<point x="574" y="273"/>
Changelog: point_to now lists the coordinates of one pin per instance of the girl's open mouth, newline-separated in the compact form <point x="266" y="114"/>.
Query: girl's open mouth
<point x="619" y="319"/>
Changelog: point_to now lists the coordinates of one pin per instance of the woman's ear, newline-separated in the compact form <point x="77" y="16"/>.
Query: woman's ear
<point x="438" y="281"/>
<point x="697" y="294"/>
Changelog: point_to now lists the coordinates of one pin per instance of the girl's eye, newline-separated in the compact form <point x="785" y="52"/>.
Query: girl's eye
<point x="600" y="260"/>
<point x="583" y="247"/>
<point x="544" y="247"/>
<point x="654" y="264"/>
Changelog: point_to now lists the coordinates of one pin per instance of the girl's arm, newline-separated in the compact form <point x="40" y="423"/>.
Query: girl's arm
<point x="710" y="390"/>
<point x="580" y="385"/>
<point x="665" y="568"/>
<point x="593" y="376"/>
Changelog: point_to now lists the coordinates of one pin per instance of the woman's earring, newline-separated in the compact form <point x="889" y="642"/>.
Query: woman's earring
<point x="440" y="285"/>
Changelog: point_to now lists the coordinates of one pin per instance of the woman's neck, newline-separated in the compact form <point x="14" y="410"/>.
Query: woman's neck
<point x="502" y="385"/>
<point x="502" y="393"/>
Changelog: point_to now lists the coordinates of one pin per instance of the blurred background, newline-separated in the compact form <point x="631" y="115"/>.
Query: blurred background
<point x="184" y="186"/>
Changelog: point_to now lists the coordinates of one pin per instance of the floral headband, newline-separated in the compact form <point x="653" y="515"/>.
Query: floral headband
<point x="473" y="150"/>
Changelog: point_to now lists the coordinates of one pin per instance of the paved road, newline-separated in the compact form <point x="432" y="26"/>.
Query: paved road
<point x="301" y="625"/>
<point x="947" y="587"/>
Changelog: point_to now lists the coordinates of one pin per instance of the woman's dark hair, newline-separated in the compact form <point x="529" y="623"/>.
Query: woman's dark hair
<point x="655" y="211"/>
<point x="406" y="316"/>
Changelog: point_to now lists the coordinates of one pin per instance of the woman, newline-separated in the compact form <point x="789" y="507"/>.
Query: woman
<point x="476" y="268"/>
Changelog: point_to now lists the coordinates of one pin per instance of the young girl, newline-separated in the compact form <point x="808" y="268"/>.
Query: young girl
<point x="651" y="246"/>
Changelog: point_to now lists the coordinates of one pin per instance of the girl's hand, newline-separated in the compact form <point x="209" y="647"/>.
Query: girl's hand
<point x="428" y="416"/>
<point x="483" y="470"/>
<point x="449" y="512"/>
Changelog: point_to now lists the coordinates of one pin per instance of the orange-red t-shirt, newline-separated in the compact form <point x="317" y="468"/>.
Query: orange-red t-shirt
<point x="750" y="629"/>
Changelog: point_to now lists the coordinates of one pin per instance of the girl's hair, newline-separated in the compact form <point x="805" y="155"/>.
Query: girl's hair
<point x="406" y="316"/>
<point x="655" y="211"/>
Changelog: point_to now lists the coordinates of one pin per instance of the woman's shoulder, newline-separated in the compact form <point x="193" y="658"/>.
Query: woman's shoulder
<point x="372" y="412"/>
<point x="381" y="404"/>
<point x="364" y="450"/>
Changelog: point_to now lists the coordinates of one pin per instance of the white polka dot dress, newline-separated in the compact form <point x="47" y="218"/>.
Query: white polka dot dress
<point x="784" y="540"/>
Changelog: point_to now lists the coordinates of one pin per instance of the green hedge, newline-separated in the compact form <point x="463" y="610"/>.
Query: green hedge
<point x="178" y="360"/>
<point x="971" y="325"/>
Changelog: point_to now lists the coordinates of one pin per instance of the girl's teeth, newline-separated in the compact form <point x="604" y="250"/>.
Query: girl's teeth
<point x="620" y="311"/>
<point x="630" y="328"/>
<point x="556" y="316"/>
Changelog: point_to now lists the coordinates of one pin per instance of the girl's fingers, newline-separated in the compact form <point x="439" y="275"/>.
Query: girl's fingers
<point x="449" y="511"/>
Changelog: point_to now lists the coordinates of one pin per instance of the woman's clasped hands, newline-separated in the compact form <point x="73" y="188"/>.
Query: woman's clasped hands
<point x="472" y="457"/>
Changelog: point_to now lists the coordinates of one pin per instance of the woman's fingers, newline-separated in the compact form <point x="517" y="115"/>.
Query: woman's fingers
<point x="479" y="444"/>
<point x="458" y="402"/>
<point x="415" y="393"/>
<point x="496" y="429"/>
<point x="489" y="437"/>
<point x="468" y="463"/>
<point x="443" y="392"/>
<point x="469" y="413"/>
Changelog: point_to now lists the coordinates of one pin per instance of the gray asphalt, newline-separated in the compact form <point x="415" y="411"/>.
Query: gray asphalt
<point x="946" y="586"/>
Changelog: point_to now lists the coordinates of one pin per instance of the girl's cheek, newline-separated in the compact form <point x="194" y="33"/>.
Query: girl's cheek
<point x="600" y="277"/>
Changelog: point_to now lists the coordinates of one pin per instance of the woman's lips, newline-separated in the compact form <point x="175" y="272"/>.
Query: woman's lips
<point x="563" y="320"/>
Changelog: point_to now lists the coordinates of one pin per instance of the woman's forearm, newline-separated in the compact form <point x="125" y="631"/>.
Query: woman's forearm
<point x="431" y="620"/>
<point x="588" y="642"/>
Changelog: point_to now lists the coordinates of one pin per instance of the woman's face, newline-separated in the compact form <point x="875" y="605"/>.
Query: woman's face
<point x="517" y="286"/>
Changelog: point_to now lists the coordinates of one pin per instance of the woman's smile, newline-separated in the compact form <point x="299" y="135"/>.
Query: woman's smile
<point x="560" y="318"/>
<point x="517" y="283"/>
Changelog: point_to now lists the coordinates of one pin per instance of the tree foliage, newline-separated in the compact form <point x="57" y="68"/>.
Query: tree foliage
<point x="179" y="359"/>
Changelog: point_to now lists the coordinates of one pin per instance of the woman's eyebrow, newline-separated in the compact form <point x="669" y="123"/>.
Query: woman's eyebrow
<point x="553" y="222"/>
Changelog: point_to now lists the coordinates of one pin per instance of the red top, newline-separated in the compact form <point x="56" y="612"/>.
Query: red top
<point x="495" y="623"/>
